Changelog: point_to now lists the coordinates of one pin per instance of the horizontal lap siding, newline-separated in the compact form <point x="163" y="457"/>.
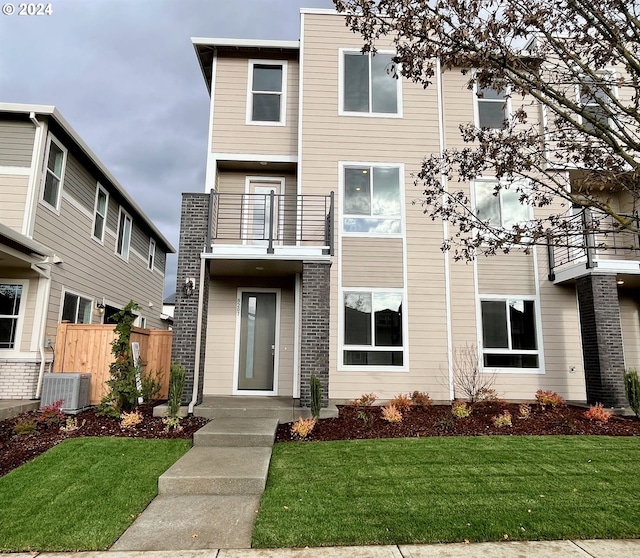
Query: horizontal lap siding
<point x="630" y="321"/>
<point x="16" y="143"/>
<point x="511" y="273"/>
<point x="372" y="262"/>
<point x="79" y="183"/>
<point x="13" y="196"/>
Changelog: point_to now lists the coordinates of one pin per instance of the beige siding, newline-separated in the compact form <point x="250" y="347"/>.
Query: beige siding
<point x="13" y="199"/>
<point x="511" y="273"/>
<point x="16" y="143"/>
<point x="236" y="182"/>
<point x="370" y="262"/>
<point x="231" y="133"/>
<point x="630" y="321"/>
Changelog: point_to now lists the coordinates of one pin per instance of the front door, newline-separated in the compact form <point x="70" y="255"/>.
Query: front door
<point x="261" y="219"/>
<point x="257" y="342"/>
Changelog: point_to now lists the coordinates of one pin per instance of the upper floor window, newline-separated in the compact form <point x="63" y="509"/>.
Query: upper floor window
<point x="372" y="199"/>
<point x="100" y="213"/>
<point x="595" y="100"/>
<point x="368" y="84"/>
<point x="152" y="254"/>
<point x="266" y="103"/>
<point x="125" y="224"/>
<point x="492" y="107"/>
<point x="54" y="173"/>
<point x="501" y="210"/>
<point x="10" y="296"/>
<point x="76" y="309"/>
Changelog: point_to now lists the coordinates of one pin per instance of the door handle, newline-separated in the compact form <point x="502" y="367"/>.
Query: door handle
<point x="273" y="350"/>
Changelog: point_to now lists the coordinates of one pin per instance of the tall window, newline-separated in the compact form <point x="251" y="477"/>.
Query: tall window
<point x="100" y="213"/>
<point x="152" y="254"/>
<point x="368" y="84"/>
<point x="492" y="108"/>
<point x="124" y="234"/>
<point x="373" y="329"/>
<point x="10" y="296"/>
<point x="54" y="173"/>
<point x="502" y="210"/>
<point x="509" y="334"/>
<point x="594" y="99"/>
<point x="76" y="309"/>
<point x="372" y="199"/>
<point x="267" y="99"/>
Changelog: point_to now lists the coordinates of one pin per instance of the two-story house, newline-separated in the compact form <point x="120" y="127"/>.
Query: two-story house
<point x="74" y="246"/>
<point x="306" y="253"/>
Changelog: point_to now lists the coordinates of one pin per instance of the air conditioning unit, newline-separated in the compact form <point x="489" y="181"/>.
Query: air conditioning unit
<point x="74" y="389"/>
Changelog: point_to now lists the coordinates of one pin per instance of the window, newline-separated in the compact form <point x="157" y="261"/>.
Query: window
<point x="372" y="200"/>
<point x="10" y="296"/>
<point x="502" y="210"/>
<point x="509" y="333"/>
<point x="266" y="103"/>
<point x="369" y="85"/>
<point x="100" y="213"/>
<point x="594" y="99"/>
<point x="152" y="254"/>
<point x="54" y="174"/>
<point x="76" y="309"/>
<point x="492" y="108"/>
<point x="124" y="234"/>
<point x="373" y="329"/>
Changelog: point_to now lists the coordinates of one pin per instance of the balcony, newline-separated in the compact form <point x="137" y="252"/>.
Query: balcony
<point x="604" y="246"/>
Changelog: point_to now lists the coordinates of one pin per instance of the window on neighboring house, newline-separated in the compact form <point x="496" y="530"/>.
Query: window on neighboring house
<point x="509" y="333"/>
<point x="76" y="309"/>
<point x="492" y="108"/>
<point x="373" y="329"/>
<point x="124" y="234"/>
<point x="369" y="85"/>
<point x="109" y="313"/>
<point x="594" y="99"/>
<point x="10" y="296"/>
<point x="502" y="210"/>
<point x="54" y="173"/>
<point x="267" y="98"/>
<point x="100" y="213"/>
<point x="152" y="254"/>
<point x="372" y="200"/>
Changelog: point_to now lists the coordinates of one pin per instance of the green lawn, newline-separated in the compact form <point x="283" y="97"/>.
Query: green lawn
<point x="450" y="489"/>
<point x="83" y="493"/>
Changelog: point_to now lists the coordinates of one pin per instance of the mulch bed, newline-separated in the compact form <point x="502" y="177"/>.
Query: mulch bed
<point x="357" y="423"/>
<point x="16" y="450"/>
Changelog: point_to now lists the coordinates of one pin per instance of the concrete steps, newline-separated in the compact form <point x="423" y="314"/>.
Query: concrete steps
<point x="237" y="432"/>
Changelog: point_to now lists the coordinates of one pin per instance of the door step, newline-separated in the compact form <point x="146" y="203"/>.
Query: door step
<point x="237" y="432"/>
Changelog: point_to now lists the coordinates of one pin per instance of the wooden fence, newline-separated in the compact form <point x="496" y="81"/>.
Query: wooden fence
<point x="87" y="348"/>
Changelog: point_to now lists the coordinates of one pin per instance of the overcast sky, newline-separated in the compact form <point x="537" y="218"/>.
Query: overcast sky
<point x="124" y="74"/>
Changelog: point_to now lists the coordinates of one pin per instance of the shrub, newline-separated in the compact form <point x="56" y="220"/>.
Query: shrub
<point x="401" y="402"/>
<point x="469" y="380"/>
<point x="502" y="420"/>
<point x="171" y="423"/>
<point x="524" y="410"/>
<point x="391" y="413"/>
<point x="129" y="420"/>
<point x="302" y="427"/>
<point x="598" y="412"/>
<point x="151" y="383"/>
<point x="71" y="424"/>
<point x="176" y="385"/>
<point x="365" y="400"/>
<point x="460" y="409"/>
<point x="51" y="415"/>
<point x="25" y="426"/>
<point x="632" y="389"/>
<point x="486" y="394"/>
<point x="316" y="396"/>
<point x="549" y="399"/>
<point x="421" y="399"/>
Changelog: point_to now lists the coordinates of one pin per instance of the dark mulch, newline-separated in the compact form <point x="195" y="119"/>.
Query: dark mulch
<point x="16" y="450"/>
<point x="355" y="423"/>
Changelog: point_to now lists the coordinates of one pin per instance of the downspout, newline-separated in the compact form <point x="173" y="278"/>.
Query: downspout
<point x="46" y="273"/>
<point x="196" y="364"/>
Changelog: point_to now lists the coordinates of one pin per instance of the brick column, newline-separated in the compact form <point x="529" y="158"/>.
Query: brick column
<point x="194" y="220"/>
<point x="602" y="346"/>
<point x="314" y="350"/>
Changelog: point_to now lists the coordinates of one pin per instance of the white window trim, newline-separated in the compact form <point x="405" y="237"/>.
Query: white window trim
<point x="100" y="188"/>
<point x="341" y="215"/>
<point x="613" y="75"/>
<point x="151" y="258"/>
<point x="283" y="94"/>
<point x="370" y="113"/>
<point x="476" y="110"/>
<point x="342" y="367"/>
<point x="126" y="214"/>
<point x="492" y="180"/>
<point x="21" y="312"/>
<point x="45" y="171"/>
<point x="64" y="293"/>
<point x="540" y="370"/>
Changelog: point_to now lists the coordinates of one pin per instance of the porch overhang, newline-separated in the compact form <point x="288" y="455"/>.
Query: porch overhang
<point x="622" y="268"/>
<point x="286" y="260"/>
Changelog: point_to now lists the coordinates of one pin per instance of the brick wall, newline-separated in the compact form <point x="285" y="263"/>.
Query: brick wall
<point x="193" y="237"/>
<point x="602" y="346"/>
<point x="18" y="379"/>
<point x="314" y="351"/>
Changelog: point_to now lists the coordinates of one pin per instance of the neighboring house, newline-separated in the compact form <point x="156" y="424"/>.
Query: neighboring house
<point x="306" y="254"/>
<point x="168" y="308"/>
<point x="74" y="246"/>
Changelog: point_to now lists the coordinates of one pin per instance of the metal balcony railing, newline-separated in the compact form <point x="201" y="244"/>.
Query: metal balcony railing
<point x="272" y="220"/>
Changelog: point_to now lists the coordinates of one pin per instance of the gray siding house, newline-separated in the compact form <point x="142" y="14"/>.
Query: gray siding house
<point x="74" y="246"/>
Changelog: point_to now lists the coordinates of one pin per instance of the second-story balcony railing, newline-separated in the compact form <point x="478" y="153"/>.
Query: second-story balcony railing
<point x="272" y="220"/>
<point x="588" y="238"/>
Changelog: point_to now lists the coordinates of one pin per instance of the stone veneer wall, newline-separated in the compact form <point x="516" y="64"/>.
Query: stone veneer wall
<point x="602" y="344"/>
<point x="18" y="379"/>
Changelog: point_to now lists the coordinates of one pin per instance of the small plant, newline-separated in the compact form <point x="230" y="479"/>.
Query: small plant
<point x="632" y="389"/>
<point x="469" y="381"/>
<point x="502" y="420"/>
<point x="598" y="412"/>
<point x="447" y="423"/>
<point x="486" y="394"/>
<point x="71" y="424"/>
<point x="363" y="417"/>
<point x="549" y="399"/>
<point x="176" y="385"/>
<point x="51" y="415"/>
<point x="129" y="420"/>
<point x="302" y="427"/>
<point x="421" y="399"/>
<point x="524" y="411"/>
<point x="151" y="383"/>
<point x="365" y="400"/>
<point x="401" y="402"/>
<point x="316" y="396"/>
<point x="171" y="423"/>
<point x="25" y="426"/>
<point x="391" y="413"/>
<point x="460" y="409"/>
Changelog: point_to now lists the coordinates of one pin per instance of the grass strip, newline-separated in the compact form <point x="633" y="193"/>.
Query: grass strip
<point x="83" y="493"/>
<point x="450" y="489"/>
